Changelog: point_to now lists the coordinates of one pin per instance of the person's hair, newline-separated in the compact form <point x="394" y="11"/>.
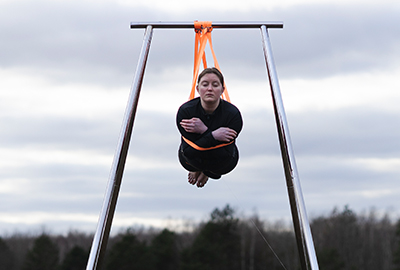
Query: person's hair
<point x="214" y="71"/>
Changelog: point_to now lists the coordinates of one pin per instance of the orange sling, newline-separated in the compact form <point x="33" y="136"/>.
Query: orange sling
<point x="203" y="33"/>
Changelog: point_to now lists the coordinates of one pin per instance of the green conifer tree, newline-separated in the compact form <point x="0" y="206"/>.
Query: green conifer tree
<point x="6" y="256"/>
<point x="165" y="251"/>
<point x="396" y="254"/>
<point x="44" y="255"/>
<point x="129" y="254"/>
<point x="217" y="246"/>
<point x="76" y="259"/>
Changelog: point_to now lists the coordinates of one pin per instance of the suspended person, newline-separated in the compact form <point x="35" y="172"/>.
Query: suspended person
<point x="209" y="127"/>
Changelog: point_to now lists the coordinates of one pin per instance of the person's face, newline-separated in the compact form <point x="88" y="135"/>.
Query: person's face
<point x="210" y="88"/>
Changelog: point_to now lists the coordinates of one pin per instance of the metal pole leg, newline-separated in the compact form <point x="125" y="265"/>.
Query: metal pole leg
<point x="107" y="213"/>
<point x="301" y="225"/>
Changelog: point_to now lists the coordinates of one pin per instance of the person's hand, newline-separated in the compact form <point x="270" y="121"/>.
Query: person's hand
<point x="194" y="125"/>
<point x="224" y="134"/>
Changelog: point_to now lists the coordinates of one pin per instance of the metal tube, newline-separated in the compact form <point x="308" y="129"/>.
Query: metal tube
<point x="100" y="240"/>
<point x="256" y="24"/>
<point x="301" y="224"/>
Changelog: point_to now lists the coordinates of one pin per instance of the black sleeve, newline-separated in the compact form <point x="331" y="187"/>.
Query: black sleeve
<point x="232" y="119"/>
<point x="203" y="140"/>
<point x="236" y="122"/>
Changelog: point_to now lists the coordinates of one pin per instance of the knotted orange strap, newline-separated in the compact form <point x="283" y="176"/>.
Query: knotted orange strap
<point x="195" y="146"/>
<point x="203" y="33"/>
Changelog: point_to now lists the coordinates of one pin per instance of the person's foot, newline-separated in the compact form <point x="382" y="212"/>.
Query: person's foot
<point x="192" y="177"/>
<point x="202" y="180"/>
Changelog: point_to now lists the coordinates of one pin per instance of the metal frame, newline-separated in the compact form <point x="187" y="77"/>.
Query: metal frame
<point x="302" y="229"/>
<point x="100" y="239"/>
<point x="190" y="25"/>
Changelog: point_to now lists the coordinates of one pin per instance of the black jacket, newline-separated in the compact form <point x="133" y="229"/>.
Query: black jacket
<point x="226" y="115"/>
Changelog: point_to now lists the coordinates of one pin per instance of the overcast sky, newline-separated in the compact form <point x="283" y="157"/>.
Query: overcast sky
<point x="66" y="69"/>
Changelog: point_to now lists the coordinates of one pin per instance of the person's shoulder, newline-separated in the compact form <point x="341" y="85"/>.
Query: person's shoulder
<point x="229" y="106"/>
<point x="190" y="103"/>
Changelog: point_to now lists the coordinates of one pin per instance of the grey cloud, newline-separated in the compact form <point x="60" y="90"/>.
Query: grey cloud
<point x="350" y="132"/>
<point x="324" y="40"/>
<point x="59" y="132"/>
<point x="70" y="42"/>
<point x="93" y="43"/>
<point x="317" y="40"/>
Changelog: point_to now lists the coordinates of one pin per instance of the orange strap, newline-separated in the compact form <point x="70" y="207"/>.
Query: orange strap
<point x="203" y="33"/>
<point x="195" y="146"/>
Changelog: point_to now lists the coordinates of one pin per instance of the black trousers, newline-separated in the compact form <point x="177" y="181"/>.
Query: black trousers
<point x="213" y="168"/>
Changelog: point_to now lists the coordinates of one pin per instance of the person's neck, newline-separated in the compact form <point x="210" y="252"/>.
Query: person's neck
<point x="209" y="108"/>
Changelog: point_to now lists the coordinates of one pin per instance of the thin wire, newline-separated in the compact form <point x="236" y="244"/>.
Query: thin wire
<point x="259" y="231"/>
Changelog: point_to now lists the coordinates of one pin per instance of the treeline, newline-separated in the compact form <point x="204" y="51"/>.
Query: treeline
<point x="343" y="241"/>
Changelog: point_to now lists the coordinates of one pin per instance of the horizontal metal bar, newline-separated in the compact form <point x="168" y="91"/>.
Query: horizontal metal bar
<point x="256" y="24"/>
